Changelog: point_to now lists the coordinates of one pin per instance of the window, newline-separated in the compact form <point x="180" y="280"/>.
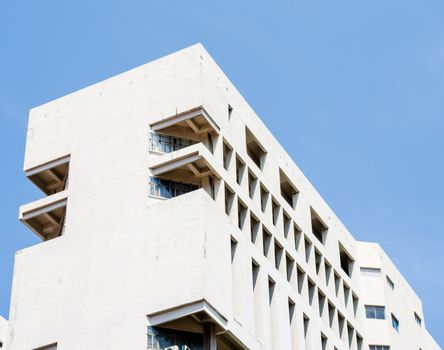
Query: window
<point x="395" y="323"/>
<point x="318" y="228"/>
<point x="379" y="347"/>
<point x="370" y="271"/>
<point x="275" y="211"/>
<point x="167" y="144"/>
<point x="241" y="214"/>
<point x="301" y="280"/>
<point x="287" y="224"/>
<point x="169" y="189"/>
<point x="290" y="267"/>
<point x="288" y="190"/>
<point x="418" y="319"/>
<point x="318" y="261"/>
<point x="331" y="314"/>
<point x="321" y="301"/>
<point x="311" y="291"/>
<point x="229" y="199"/>
<point x="264" y="198"/>
<point x="375" y="312"/>
<point x="271" y="287"/>
<point x="347" y="261"/>
<point x="255" y="150"/>
<point x="278" y="253"/>
<point x="308" y="246"/>
<point x="267" y="239"/>
<point x="323" y="342"/>
<point x="227" y="153"/>
<point x="240" y="170"/>
<point x="254" y="228"/>
<point x="390" y="283"/>
<point x="297" y="236"/>
<point x="252" y="182"/>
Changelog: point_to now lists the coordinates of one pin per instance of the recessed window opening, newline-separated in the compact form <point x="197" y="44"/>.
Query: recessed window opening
<point x="347" y="261"/>
<point x="350" y="331"/>
<point x="306" y="325"/>
<point x="241" y="214"/>
<point x="331" y="314"/>
<point x="323" y="342"/>
<point x="346" y="294"/>
<point x="418" y="319"/>
<point x="290" y="267"/>
<point x="287" y="224"/>
<point x="254" y="273"/>
<point x="275" y="211"/>
<point x="291" y="310"/>
<point x="301" y="279"/>
<point x="321" y="300"/>
<point x="255" y="150"/>
<point x="271" y="287"/>
<point x="318" y="261"/>
<point x="288" y="191"/>
<point x="390" y="283"/>
<point x="264" y="198"/>
<point x="355" y="300"/>
<point x="359" y="341"/>
<point x="395" y="323"/>
<point x="227" y="154"/>
<point x="230" y="112"/>
<point x="267" y="240"/>
<point x="229" y="200"/>
<point x="278" y="254"/>
<point x="308" y="247"/>
<point x="328" y="270"/>
<point x="254" y="228"/>
<point x="297" y="237"/>
<point x="311" y="290"/>
<point x="252" y="183"/>
<point x="337" y="283"/>
<point x="318" y="227"/>
<point x="341" y="324"/>
<point x="233" y="249"/>
<point x="240" y="170"/>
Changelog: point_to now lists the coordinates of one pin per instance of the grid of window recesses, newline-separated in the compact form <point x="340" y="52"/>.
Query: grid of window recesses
<point x="284" y="259"/>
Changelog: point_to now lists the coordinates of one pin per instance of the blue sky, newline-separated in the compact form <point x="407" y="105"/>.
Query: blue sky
<point x="352" y="89"/>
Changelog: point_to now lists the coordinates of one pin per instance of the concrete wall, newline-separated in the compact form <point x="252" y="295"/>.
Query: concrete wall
<point x="3" y="331"/>
<point x="125" y="255"/>
<point x="400" y="301"/>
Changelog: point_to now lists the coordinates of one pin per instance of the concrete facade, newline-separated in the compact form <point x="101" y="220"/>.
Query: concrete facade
<point x="3" y="332"/>
<point x="173" y="219"/>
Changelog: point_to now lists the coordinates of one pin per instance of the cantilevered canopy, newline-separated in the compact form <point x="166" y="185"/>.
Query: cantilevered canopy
<point x="45" y="217"/>
<point x="51" y="177"/>
<point x="188" y="165"/>
<point x="197" y="120"/>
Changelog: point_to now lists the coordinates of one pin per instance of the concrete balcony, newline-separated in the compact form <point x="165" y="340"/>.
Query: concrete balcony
<point x="188" y="165"/>
<point x="46" y="216"/>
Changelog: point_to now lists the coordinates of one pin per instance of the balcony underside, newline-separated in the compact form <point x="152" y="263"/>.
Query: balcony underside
<point x="51" y="177"/>
<point x="189" y="165"/>
<point x="197" y="121"/>
<point x="45" y="217"/>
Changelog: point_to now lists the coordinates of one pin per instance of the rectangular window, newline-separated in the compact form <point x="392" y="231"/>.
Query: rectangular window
<point x="375" y="312"/>
<point x="370" y="271"/>
<point x="347" y="262"/>
<point x="395" y="323"/>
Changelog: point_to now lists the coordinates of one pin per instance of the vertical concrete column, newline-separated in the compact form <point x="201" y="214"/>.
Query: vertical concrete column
<point x="209" y="337"/>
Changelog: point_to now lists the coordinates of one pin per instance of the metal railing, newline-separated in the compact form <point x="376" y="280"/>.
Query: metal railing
<point x="167" y="144"/>
<point x="169" y="189"/>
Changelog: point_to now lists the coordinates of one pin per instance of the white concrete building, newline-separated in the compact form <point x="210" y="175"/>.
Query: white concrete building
<point x="3" y="332"/>
<point x="171" y="218"/>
